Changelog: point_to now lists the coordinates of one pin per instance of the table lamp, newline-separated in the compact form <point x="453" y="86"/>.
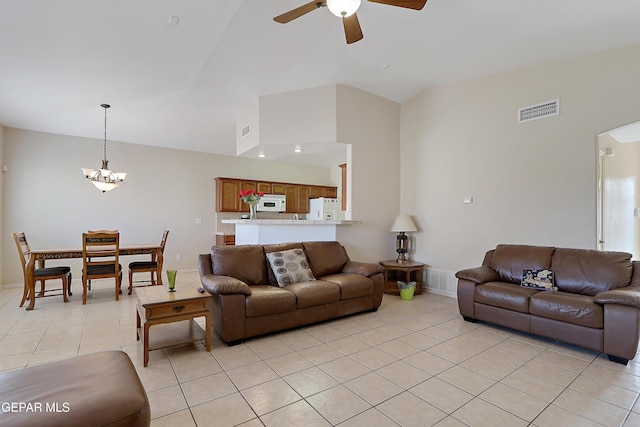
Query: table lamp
<point x="401" y="225"/>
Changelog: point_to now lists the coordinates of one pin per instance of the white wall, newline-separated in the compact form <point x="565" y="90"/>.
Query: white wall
<point x="532" y="183"/>
<point x="47" y="197"/>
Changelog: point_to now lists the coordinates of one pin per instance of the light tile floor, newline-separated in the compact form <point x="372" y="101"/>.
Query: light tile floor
<point x="411" y="363"/>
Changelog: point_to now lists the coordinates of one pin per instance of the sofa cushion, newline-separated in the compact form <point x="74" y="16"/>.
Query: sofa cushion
<point x="318" y="292"/>
<point x="505" y="295"/>
<point x="290" y="266"/>
<point x="266" y="299"/>
<point x="351" y="285"/>
<point x="567" y="307"/>
<point x="509" y="261"/>
<point x="589" y="272"/>
<point x="325" y="257"/>
<point x="244" y="262"/>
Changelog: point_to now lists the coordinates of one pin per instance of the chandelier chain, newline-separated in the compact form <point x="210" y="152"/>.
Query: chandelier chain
<point x="105" y="131"/>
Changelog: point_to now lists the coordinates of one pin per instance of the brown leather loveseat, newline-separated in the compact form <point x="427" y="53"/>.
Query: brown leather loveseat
<point x="248" y="301"/>
<point x="596" y="303"/>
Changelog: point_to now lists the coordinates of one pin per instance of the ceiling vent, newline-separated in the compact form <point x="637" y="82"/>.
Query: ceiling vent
<point x="246" y="130"/>
<point x="539" y="111"/>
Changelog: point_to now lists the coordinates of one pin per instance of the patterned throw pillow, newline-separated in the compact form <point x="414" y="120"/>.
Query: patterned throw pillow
<point x="290" y="267"/>
<point x="537" y="279"/>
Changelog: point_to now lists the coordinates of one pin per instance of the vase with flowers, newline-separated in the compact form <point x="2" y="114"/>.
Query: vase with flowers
<point x="251" y="197"/>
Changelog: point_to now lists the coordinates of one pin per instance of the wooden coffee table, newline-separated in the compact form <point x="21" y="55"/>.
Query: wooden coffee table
<point x="156" y="305"/>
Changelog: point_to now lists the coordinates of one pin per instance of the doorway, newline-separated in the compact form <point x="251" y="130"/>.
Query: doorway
<point x="618" y="190"/>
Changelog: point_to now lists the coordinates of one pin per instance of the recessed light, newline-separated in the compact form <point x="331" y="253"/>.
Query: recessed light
<point x="262" y="155"/>
<point x="384" y="67"/>
<point x="298" y="150"/>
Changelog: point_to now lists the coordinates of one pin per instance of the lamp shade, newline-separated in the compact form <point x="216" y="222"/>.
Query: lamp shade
<point x="403" y="222"/>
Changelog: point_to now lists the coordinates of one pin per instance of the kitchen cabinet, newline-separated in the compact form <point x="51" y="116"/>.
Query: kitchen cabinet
<point x="303" y="199"/>
<point x="298" y="195"/>
<point x="227" y="195"/>
<point x="225" y="239"/>
<point x="264" y="187"/>
<point x="331" y="192"/>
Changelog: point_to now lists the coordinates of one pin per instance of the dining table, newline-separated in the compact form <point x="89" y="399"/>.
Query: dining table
<point x="40" y="256"/>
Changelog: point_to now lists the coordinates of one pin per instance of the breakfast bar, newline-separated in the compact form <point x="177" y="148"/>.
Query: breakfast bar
<point x="265" y="231"/>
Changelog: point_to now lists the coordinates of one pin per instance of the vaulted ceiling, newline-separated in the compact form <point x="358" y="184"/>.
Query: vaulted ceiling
<point x="185" y="85"/>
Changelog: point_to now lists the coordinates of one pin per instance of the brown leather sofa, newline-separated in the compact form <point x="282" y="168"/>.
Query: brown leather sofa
<point x="97" y="389"/>
<point x="596" y="304"/>
<point x="247" y="300"/>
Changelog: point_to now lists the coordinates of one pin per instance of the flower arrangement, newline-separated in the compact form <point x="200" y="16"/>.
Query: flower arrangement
<point x="250" y="196"/>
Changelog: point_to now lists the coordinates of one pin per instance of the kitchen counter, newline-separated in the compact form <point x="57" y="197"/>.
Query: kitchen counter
<point x="289" y="221"/>
<point x="265" y="231"/>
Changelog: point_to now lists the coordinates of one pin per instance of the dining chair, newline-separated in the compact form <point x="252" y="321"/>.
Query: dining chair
<point x="100" y="258"/>
<point x="147" y="266"/>
<point x="41" y="274"/>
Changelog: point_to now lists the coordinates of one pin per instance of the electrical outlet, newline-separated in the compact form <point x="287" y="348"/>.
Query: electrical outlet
<point x="178" y="256"/>
<point x="198" y="220"/>
<point x="467" y="200"/>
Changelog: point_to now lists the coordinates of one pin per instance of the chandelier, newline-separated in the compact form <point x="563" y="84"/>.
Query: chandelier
<point x="103" y="178"/>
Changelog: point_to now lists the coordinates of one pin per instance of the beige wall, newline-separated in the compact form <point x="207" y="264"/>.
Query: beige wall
<point x="46" y="196"/>
<point x="371" y="125"/>
<point x="532" y="183"/>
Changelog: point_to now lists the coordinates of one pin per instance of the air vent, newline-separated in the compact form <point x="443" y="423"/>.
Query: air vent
<point x="246" y="130"/>
<point x="539" y="111"/>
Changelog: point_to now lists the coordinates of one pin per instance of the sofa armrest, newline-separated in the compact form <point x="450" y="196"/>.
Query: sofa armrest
<point x="204" y="265"/>
<point x="629" y="295"/>
<point x="362" y="268"/>
<point x="478" y="275"/>
<point x="224" y="285"/>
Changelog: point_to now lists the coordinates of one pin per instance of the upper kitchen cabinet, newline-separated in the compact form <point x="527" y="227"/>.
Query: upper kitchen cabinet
<point x="298" y="195"/>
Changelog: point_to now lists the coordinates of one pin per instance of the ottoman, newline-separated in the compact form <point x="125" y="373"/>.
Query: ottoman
<point x="97" y="389"/>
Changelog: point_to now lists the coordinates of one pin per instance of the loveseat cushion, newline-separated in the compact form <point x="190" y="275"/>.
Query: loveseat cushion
<point x="588" y="272"/>
<point x="317" y="292"/>
<point x="351" y="285"/>
<point x="567" y="307"/>
<point x="265" y="300"/>
<point x="325" y="257"/>
<point x="509" y="261"/>
<point x="244" y="262"/>
<point x="504" y="295"/>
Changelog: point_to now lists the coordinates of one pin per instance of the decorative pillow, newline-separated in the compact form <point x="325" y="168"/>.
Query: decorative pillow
<point x="537" y="279"/>
<point x="290" y="267"/>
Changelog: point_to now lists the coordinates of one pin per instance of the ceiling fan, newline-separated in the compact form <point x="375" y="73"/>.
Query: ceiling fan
<point x="345" y="9"/>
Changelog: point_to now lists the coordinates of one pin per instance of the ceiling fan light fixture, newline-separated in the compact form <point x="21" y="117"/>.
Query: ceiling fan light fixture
<point x="343" y="8"/>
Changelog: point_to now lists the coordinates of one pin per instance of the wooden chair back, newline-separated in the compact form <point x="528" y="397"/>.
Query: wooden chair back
<point x="101" y="258"/>
<point x="23" y="248"/>
<point x="41" y="274"/>
<point x="100" y="249"/>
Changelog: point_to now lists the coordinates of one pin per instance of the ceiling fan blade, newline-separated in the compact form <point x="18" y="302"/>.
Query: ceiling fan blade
<point x="299" y="11"/>
<point x="409" y="4"/>
<point x="352" y="30"/>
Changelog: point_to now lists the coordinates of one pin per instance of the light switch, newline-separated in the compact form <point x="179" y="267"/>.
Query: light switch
<point x="467" y="200"/>
<point x="198" y="220"/>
